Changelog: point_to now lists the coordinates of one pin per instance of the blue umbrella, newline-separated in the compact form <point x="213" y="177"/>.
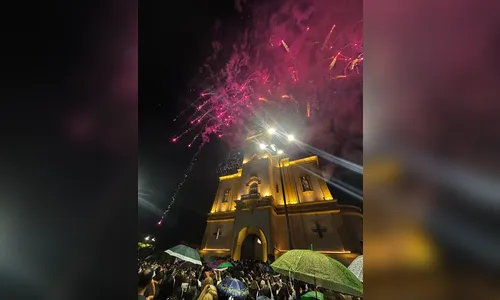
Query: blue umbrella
<point x="232" y="287"/>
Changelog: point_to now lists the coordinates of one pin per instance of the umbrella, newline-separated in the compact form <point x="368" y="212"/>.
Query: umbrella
<point x="313" y="295"/>
<point x="232" y="287"/>
<point x="185" y="253"/>
<point x="214" y="264"/>
<point x="316" y="268"/>
<point x="225" y="265"/>
<point x="263" y="267"/>
<point x="356" y="267"/>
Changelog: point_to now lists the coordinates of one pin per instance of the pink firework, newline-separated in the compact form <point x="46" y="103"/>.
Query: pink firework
<point x="295" y="57"/>
<point x="299" y="52"/>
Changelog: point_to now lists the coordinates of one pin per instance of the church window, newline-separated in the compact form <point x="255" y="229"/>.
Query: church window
<point x="254" y="188"/>
<point x="306" y="183"/>
<point x="226" y="196"/>
<point x="277" y="189"/>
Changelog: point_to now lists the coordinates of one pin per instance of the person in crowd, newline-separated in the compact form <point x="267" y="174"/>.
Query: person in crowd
<point x="253" y="288"/>
<point x="192" y="291"/>
<point x="145" y="280"/>
<point x="178" y="280"/>
<point x="265" y="294"/>
<point x="152" y="289"/>
<point x="166" y="288"/>
<point x="208" y="292"/>
<point x="283" y="293"/>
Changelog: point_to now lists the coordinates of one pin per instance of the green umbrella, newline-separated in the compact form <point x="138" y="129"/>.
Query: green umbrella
<point x="225" y="265"/>
<point x="185" y="253"/>
<point x="313" y="295"/>
<point x="316" y="268"/>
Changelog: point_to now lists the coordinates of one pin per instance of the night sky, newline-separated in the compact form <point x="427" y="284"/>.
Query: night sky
<point x="174" y="40"/>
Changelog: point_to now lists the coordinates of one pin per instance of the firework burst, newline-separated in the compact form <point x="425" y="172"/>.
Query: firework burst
<point x="292" y="60"/>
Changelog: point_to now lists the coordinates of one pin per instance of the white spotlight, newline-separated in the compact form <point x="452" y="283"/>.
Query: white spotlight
<point x="147" y="238"/>
<point x="291" y="137"/>
<point x="280" y="151"/>
<point x="259" y="242"/>
<point x="262" y="146"/>
<point x="271" y="130"/>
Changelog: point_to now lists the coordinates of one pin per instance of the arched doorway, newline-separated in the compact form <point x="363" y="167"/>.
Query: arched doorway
<point x="252" y="248"/>
<point x="251" y="242"/>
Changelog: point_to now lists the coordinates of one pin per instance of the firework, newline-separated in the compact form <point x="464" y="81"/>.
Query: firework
<point x="261" y="79"/>
<point x="232" y="163"/>
<point x="181" y="184"/>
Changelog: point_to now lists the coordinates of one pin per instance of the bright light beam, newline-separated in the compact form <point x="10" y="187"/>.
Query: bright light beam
<point x="334" y="159"/>
<point x="356" y="193"/>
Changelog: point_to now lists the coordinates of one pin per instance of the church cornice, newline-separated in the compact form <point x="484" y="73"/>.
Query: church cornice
<point x="304" y="160"/>
<point x="350" y="207"/>
<point x="221" y="216"/>
<point x="231" y="176"/>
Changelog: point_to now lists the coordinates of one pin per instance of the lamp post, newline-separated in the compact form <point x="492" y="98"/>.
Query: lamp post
<point x="279" y="152"/>
<point x="290" y="241"/>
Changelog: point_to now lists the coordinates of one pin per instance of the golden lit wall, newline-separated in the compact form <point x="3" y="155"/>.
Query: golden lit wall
<point x="225" y="235"/>
<point x="232" y="182"/>
<point x="292" y="171"/>
<point x="303" y="234"/>
<point x="351" y="231"/>
<point x="279" y="234"/>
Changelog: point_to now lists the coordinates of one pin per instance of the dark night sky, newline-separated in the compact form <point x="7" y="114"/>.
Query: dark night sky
<point x="174" y="39"/>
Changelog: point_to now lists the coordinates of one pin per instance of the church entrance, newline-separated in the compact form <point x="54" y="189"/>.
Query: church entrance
<point x="251" y="242"/>
<point x="252" y="248"/>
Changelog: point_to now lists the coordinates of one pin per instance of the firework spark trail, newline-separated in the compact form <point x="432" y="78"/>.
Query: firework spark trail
<point x="332" y="64"/>
<point x="232" y="163"/>
<point x="181" y="184"/>
<point x="285" y="46"/>
<point x="328" y="36"/>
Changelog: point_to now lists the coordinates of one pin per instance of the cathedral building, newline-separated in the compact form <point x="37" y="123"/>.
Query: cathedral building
<point x="248" y="218"/>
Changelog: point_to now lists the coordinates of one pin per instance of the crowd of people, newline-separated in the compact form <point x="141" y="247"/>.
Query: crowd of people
<point x="184" y="281"/>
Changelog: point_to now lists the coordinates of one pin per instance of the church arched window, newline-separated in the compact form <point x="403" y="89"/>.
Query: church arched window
<point x="226" y="196"/>
<point x="306" y="183"/>
<point x="254" y="188"/>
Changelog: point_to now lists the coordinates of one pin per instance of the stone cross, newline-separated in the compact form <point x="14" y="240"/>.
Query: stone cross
<point x="319" y="230"/>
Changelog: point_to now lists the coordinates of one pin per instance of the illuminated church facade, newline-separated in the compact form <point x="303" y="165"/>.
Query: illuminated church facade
<point x="248" y="219"/>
